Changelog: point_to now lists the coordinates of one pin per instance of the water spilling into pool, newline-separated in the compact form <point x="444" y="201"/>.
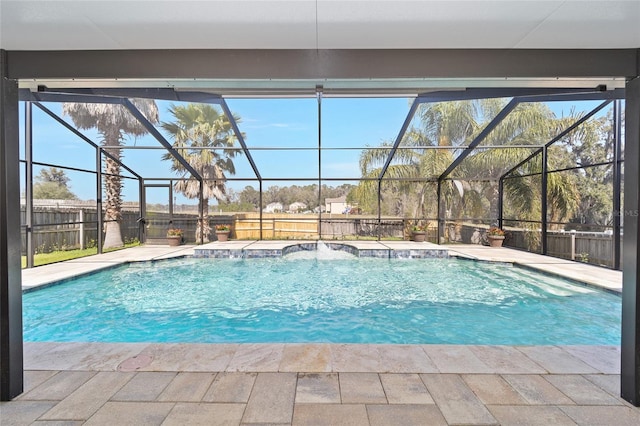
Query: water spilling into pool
<point x="315" y="300"/>
<point x="322" y="252"/>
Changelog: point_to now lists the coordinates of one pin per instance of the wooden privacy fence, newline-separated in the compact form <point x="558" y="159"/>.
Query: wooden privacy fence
<point x="246" y="226"/>
<point x="589" y="247"/>
<point x="66" y="228"/>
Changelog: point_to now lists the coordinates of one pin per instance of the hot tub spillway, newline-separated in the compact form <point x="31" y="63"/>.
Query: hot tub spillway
<point x="322" y="252"/>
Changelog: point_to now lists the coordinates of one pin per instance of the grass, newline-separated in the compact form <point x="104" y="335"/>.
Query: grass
<point x="62" y="255"/>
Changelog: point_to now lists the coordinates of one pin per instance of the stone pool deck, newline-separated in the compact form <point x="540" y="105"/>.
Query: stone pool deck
<point x="320" y="384"/>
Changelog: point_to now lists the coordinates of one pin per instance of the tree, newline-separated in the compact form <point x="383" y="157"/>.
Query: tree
<point x="472" y="189"/>
<point x="113" y="122"/>
<point x="198" y="126"/>
<point x="53" y="184"/>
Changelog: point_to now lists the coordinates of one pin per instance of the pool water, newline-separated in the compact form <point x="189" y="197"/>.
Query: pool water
<point x="357" y="300"/>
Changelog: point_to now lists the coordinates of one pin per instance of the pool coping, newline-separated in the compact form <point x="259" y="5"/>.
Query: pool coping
<point x="581" y="273"/>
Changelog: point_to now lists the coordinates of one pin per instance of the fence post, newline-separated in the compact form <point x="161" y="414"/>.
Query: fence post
<point x="81" y="220"/>
<point x="573" y="244"/>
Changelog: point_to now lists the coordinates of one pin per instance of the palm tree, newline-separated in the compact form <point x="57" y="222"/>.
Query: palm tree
<point x="202" y="126"/>
<point x="113" y="122"/>
<point x="443" y="124"/>
<point x="472" y="189"/>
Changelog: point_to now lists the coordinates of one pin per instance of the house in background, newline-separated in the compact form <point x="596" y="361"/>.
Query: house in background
<point x="336" y="205"/>
<point x="273" y="208"/>
<point x="297" y="207"/>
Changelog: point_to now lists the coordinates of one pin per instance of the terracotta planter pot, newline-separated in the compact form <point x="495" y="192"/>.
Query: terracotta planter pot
<point x="495" y="241"/>
<point x="222" y="236"/>
<point x="419" y="237"/>
<point x="174" y="241"/>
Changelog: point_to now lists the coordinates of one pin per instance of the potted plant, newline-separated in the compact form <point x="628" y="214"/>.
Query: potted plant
<point x="174" y="236"/>
<point x="222" y="232"/>
<point x="419" y="233"/>
<point x="495" y="236"/>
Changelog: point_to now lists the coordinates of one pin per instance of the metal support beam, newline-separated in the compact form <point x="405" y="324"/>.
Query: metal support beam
<point x="403" y="130"/>
<point x="99" y="237"/>
<point x="630" y="348"/>
<point x="617" y="181"/>
<point x="500" y="202"/>
<point x="526" y="94"/>
<point x="558" y="137"/>
<point x="441" y="218"/>
<point x="260" y="206"/>
<point x="238" y="133"/>
<point x="478" y="139"/>
<point x="11" y="361"/>
<point x="319" y="97"/>
<point x="543" y="204"/>
<point x="142" y="236"/>
<point x="379" y="209"/>
<point x="83" y="137"/>
<point x="158" y="136"/>
<point x="28" y="193"/>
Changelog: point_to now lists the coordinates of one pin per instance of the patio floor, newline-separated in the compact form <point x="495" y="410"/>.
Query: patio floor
<point x="103" y="383"/>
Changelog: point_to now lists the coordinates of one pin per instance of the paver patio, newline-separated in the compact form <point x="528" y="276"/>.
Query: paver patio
<point x="106" y="383"/>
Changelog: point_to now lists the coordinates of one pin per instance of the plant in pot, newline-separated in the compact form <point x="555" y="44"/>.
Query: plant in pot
<point x="419" y="233"/>
<point x="222" y="232"/>
<point x="174" y="236"/>
<point x="495" y="236"/>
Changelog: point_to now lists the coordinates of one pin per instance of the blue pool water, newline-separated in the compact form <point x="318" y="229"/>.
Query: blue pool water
<point x="310" y="300"/>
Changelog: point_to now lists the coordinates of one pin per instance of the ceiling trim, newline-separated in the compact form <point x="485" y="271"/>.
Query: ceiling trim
<point x="318" y="66"/>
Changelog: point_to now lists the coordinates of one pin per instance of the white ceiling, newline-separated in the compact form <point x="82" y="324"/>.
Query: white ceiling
<point x="321" y="24"/>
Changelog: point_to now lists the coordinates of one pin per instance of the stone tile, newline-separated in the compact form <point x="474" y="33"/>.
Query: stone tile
<point x="361" y="388"/>
<point x="456" y="401"/>
<point x="536" y="390"/>
<point x="32" y="379"/>
<point x="189" y="357"/>
<point x="257" y="357"/>
<point x="131" y="413"/>
<point x="144" y="386"/>
<point x="311" y="358"/>
<point x="318" y="388"/>
<point x="23" y="412"/>
<point x="529" y="415"/>
<point x="106" y="356"/>
<point x="271" y="400"/>
<point x="189" y="387"/>
<point x="82" y="356"/>
<point x="493" y="389"/>
<point x="405" y="415"/>
<point x="33" y="354"/>
<point x="330" y="415"/>
<point x="55" y="356"/>
<point x="405" y="389"/>
<point x="455" y="359"/>
<point x="506" y="360"/>
<point x="405" y="359"/>
<point x="556" y="360"/>
<point x="356" y="358"/>
<point x="58" y="423"/>
<point x="59" y="386"/>
<point x="607" y="415"/>
<point x="606" y="359"/>
<point x="88" y="398"/>
<point x="231" y="387"/>
<point x="185" y="413"/>
<point x="608" y="382"/>
<point x="581" y="390"/>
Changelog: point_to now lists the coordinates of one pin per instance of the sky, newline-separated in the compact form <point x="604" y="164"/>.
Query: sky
<point x="281" y="123"/>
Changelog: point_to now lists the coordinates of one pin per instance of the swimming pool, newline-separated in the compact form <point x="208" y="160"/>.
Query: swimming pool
<point x="310" y="300"/>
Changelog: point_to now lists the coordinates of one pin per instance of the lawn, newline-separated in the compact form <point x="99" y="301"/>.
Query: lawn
<point x="62" y="255"/>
